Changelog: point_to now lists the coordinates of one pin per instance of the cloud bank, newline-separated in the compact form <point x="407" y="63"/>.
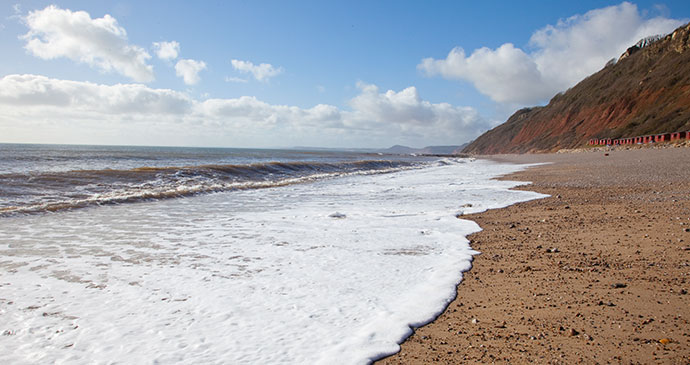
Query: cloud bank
<point x="261" y="72"/>
<point x="561" y="55"/>
<point x="376" y="118"/>
<point x="101" y="43"/>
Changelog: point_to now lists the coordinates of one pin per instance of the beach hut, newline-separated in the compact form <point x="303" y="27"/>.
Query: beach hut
<point x="629" y="140"/>
<point x="687" y="135"/>
<point x="648" y="139"/>
<point x="638" y="140"/>
<point x="662" y="137"/>
<point x="675" y="136"/>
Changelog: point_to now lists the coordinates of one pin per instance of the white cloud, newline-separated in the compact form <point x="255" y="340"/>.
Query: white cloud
<point x="374" y="119"/>
<point x="561" y="55"/>
<point x="167" y="50"/>
<point x="101" y="43"/>
<point x="235" y="79"/>
<point x="48" y="95"/>
<point x="405" y="112"/>
<point x="261" y="72"/>
<point x="189" y="70"/>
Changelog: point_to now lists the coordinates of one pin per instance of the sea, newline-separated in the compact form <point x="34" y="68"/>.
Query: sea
<point x="148" y="255"/>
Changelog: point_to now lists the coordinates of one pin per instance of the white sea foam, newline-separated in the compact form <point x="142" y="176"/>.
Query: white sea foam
<point x="244" y="277"/>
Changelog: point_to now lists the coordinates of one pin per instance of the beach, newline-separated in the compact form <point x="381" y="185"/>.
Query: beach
<point x="191" y="255"/>
<point x="596" y="273"/>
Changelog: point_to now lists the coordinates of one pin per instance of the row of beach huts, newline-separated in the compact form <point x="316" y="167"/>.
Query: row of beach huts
<point x="665" y="137"/>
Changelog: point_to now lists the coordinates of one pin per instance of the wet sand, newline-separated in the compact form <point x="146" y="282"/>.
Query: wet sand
<point x="597" y="273"/>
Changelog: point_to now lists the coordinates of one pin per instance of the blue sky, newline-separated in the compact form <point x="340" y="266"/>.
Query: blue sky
<point x="334" y="74"/>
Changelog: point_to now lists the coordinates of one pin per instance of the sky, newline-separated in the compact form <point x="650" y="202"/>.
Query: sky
<point x="272" y="74"/>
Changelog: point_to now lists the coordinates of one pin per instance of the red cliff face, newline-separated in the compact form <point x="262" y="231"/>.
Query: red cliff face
<point x="646" y="92"/>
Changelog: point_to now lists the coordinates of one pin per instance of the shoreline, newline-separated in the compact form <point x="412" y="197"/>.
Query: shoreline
<point x="598" y="272"/>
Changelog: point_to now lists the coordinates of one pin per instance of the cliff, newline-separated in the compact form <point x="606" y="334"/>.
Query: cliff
<point x="646" y="92"/>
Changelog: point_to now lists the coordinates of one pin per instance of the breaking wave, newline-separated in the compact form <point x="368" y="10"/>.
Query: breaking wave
<point x="39" y="192"/>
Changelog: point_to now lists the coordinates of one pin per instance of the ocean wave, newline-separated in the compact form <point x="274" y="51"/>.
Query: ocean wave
<point x="26" y="193"/>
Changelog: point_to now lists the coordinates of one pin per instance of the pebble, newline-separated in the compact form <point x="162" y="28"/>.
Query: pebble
<point x="619" y="285"/>
<point x="664" y="341"/>
<point x="552" y="250"/>
<point x="573" y="332"/>
<point x="609" y="304"/>
<point x="475" y="321"/>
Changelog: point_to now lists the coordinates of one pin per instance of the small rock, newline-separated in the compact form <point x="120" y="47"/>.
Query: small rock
<point x="664" y="341"/>
<point x="338" y="215"/>
<point x="502" y="325"/>
<point x="500" y="271"/>
<point x="608" y="304"/>
<point x="573" y="332"/>
<point x="683" y="292"/>
<point x="552" y="250"/>
<point x="587" y="337"/>
<point x="512" y="225"/>
<point x="566" y="207"/>
<point x="475" y="321"/>
<point x="687" y="230"/>
<point x="619" y="285"/>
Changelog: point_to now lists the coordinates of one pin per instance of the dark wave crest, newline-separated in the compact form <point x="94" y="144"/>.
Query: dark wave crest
<point x="38" y="192"/>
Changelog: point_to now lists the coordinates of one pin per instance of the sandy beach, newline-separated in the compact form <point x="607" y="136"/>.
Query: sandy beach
<point x="596" y="273"/>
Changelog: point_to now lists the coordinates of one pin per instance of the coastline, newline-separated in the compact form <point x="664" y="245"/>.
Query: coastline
<point x="598" y="272"/>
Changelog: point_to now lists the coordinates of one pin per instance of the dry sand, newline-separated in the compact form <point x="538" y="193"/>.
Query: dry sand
<point x="597" y="273"/>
